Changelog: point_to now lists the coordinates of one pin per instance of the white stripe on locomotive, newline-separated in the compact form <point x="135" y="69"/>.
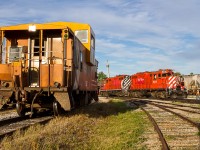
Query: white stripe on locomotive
<point x="125" y="83"/>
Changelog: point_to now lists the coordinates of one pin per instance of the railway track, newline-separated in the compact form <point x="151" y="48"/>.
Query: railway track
<point x="191" y="108"/>
<point x="10" y="125"/>
<point x="191" y="101"/>
<point x="11" y="122"/>
<point x="177" y="128"/>
<point x="180" y="104"/>
<point x="7" y="114"/>
<point x="181" y="100"/>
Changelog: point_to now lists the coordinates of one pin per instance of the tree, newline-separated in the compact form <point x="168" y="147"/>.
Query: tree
<point x="177" y="74"/>
<point x="191" y="73"/>
<point x="101" y="76"/>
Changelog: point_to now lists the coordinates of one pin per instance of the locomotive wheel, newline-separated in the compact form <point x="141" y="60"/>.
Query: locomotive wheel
<point x="20" y="109"/>
<point x="174" y="96"/>
<point x="184" y="95"/>
<point x="56" y="108"/>
<point x="96" y="98"/>
<point x="86" y="100"/>
<point x="82" y="100"/>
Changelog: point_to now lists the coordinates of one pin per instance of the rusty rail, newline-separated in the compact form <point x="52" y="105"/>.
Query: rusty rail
<point x="175" y="107"/>
<point x="193" y="107"/>
<point x="24" y="127"/>
<point x="156" y="127"/>
<point x="195" y="124"/>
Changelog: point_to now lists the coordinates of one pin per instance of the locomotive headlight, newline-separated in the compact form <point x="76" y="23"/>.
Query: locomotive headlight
<point x="32" y="28"/>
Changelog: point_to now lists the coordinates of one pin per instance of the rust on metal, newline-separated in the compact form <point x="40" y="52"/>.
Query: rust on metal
<point x="5" y="97"/>
<point x="161" y="137"/>
<point x="64" y="100"/>
<point x="182" y="117"/>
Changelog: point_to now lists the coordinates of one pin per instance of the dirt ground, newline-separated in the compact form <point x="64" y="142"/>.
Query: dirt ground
<point x="104" y="99"/>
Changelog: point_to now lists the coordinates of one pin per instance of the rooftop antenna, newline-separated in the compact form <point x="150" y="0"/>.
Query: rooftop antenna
<point x="107" y="65"/>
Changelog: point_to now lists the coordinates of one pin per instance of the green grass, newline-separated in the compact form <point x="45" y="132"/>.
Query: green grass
<point x="198" y="133"/>
<point x="109" y="125"/>
<point x="119" y="132"/>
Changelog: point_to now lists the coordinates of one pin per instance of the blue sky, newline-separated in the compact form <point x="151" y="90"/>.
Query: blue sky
<point x="133" y="35"/>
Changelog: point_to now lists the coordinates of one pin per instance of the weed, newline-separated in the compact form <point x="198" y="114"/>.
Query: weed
<point x="109" y="125"/>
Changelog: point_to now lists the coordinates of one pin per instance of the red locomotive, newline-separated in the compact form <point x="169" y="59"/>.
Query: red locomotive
<point x="117" y="85"/>
<point x="157" y="84"/>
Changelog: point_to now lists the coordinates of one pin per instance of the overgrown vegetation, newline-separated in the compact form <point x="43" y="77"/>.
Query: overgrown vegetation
<point x="109" y="125"/>
<point x="101" y="76"/>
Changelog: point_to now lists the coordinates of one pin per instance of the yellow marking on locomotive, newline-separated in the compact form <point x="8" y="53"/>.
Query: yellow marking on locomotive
<point x="16" y="64"/>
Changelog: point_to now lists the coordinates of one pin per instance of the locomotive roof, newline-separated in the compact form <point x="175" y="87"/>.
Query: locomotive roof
<point x="73" y="26"/>
<point x="120" y="75"/>
<point x="163" y="70"/>
<point x="49" y="25"/>
<point x="116" y="76"/>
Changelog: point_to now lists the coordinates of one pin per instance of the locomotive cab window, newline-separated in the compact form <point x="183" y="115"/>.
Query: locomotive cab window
<point x="82" y="35"/>
<point x="92" y="42"/>
<point x="154" y="76"/>
<point x="15" y="53"/>
<point x="164" y="75"/>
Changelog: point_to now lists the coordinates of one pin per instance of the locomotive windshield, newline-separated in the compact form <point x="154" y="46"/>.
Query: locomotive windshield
<point x="166" y="74"/>
<point x="92" y="42"/>
<point x="82" y="35"/>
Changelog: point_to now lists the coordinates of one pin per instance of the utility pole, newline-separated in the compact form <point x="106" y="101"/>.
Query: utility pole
<point x="107" y="65"/>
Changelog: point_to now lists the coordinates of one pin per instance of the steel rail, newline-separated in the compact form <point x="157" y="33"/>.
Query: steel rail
<point x="156" y="127"/>
<point x="174" y="104"/>
<point x="44" y="121"/>
<point x="12" y="120"/>
<point x="195" y="124"/>
<point x="190" y="101"/>
<point x="172" y="107"/>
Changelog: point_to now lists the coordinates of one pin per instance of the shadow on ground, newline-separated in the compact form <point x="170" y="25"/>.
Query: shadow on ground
<point x="103" y="109"/>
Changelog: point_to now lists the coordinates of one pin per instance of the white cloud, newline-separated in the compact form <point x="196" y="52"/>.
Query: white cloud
<point x="132" y="33"/>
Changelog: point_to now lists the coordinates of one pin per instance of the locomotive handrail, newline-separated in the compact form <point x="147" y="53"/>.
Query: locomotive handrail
<point x="47" y="58"/>
<point x="34" y="52"/>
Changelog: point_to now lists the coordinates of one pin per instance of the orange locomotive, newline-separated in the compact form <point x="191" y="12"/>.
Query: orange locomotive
<point x="158" y="84"/>
<point x="116" y="86"/>
<point x="48" y="66"/>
